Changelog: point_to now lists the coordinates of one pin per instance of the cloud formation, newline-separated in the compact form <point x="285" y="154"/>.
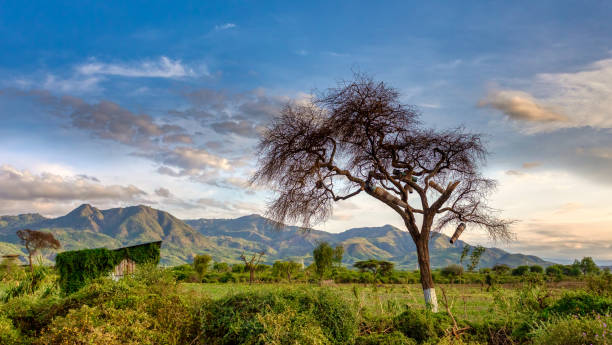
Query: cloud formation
<point x="22" y="185"/>
<point x="225" y="26"/>
<point x="521" y="106"/>
<point x="163" y="192"/>
<point x="551" y="101"/>
<point x="241" y="114"/>
<point x="162" y="68"/>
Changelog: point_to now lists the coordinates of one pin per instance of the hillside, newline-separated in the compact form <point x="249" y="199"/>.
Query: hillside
<point x="226" y="239"/>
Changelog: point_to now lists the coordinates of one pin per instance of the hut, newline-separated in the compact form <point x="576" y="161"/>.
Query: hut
<point x="127" y="265"/>
<point x="9" y="261"/>
<point x="79" y="266"/>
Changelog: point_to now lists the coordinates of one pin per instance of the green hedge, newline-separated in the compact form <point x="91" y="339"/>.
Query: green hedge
<point x="79" y="266"/>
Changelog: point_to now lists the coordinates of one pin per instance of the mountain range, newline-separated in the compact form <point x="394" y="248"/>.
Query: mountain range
<point x="225" y="239"/>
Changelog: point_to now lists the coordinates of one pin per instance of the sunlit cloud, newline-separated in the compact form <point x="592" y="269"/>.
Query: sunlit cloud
<point x="164" y="67"/>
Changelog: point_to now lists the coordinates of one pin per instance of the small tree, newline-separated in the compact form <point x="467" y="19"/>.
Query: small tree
<point x="285" y="269"/>
<point x="588" y="266"/>
<point x="501" y="269"/>
<point x="452" y="271"/>
<point x="520" y="271"/>
<point x="377" y="267"/>
<point x="323" y="256"/>
<point x="475" y="257"/>
<point x="35" y="241"/>
<point x="201" y="263"/>
<point x="251" y="264"/>
<point x="536" y="269"/>
<point x="338" y="253"/>
<point x="221" y="267"/>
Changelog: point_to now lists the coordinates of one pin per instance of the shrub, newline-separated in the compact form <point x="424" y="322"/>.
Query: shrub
<point x="422" y="324"/>
<point x="452" y="270"/>
<point x="600" y="285"/>
<point x="248" y="317"/>
<point x="201" y="263"/>
<point x="580" y="303"/>
<point x="395" y="338"/>
<point x="9" y="335"/>
<point x="521" y="270"/>
<point x="151" y="295"/>
<point x="536" y="269"/>
<point x="571" y="330"/>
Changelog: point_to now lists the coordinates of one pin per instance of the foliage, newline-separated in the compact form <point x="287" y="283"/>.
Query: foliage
<point x="501" y="269"/>
<point x="588" y="266"/>
<point x="377" y="267"/>
<point x="572" y="330"/>
<point x="146" y="308"/>
<point x="221" y="267"/>
<point x="34" y="241"/>
<point x="520" y="271"/>
<point x="201" y="263"/>
<point x="475" y="257"/>
<point x="422" y="325"/>
<point x="9" y="335"/>
<point x="580" y="303"/>
<point x="600" y="285"/>
<point x="394" y="338"/>
<point x="285" y="269"/>
<point x="79" y="266"/>
<point x="452" y="270"/>
<point x="536" y="269"/>
<point x="249" y="317"/>
<point x="324" y="256"/>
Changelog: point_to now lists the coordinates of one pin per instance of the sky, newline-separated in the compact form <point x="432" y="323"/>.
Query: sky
<point x="161" y="103"/>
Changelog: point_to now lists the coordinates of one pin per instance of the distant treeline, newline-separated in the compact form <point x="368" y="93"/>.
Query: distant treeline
<point x="378" y="271"/>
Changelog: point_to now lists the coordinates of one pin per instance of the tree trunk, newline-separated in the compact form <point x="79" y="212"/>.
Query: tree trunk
<point x="426" y="280"/>
<point x="251" y="276"/>
<point x="31" y="267"/>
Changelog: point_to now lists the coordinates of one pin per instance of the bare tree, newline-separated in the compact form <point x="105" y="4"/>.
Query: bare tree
<point x="36" y="240"/>
<point x="251" y="264"/>
<point x="358" y="138"/>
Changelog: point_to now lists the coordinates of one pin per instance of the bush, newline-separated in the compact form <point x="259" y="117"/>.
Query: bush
<point x="521" y="270"/>
<point x="580" y="303"/>
<point x="422" y="325"/>
<point x="452" y="270"/>
<point x="569" y="330"/>
<point x="536" y="269"/>
<point x="600" y="285"/>
<point x="395" y="338"/>
<point x="149" y="297"/>
<point x="9" y="335"/>
<point x="248" y="318"/>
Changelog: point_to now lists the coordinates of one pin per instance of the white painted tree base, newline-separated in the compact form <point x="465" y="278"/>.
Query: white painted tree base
<point x="431" y="299"/>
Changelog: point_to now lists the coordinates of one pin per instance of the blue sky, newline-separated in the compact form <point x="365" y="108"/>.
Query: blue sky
<point x="161" y="103"/>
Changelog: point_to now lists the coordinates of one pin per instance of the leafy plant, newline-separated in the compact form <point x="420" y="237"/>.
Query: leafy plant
<point x="79" y="266"/>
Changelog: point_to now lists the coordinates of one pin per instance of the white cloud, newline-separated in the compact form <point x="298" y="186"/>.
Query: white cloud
<point x="191" y="162"/>
<point x="552" y="101"/>
<point x="225" y="26"/>
<point x="22" y="185"/>
<point x="162" y="68"/>
<point x="71" y="85"/>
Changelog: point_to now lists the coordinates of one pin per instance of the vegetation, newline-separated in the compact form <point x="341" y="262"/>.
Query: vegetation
<point x="158" y="306"/>
<point x="325" y="256"/>
<point x="76" y="268"/>
<point x="35" y="241"/>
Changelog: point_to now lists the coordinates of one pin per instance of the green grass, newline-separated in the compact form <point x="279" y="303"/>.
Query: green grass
<point x="468" y="302"/>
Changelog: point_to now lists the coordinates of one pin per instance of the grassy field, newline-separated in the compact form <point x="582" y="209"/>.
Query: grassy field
<point x="469" y="302"/>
